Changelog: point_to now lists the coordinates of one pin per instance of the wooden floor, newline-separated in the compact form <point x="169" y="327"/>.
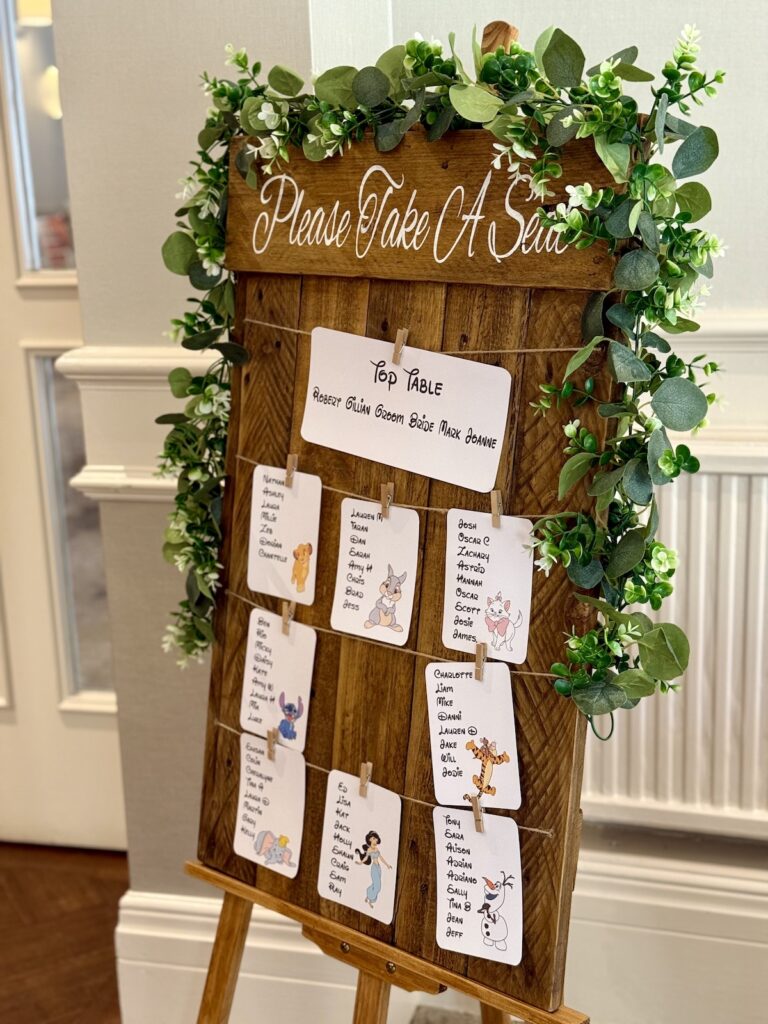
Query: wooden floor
<point x="58" y="911"/>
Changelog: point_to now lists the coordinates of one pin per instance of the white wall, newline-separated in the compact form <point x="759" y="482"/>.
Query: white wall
<point x="132" y="109"/>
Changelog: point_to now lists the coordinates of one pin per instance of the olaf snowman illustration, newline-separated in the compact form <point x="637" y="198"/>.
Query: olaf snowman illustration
<point x="493" y="927"/>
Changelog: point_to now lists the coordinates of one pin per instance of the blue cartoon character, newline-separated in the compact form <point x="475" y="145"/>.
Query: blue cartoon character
<point x="292" y="713"/>
<point x="274" y="849"/>
<point x="371" y="854"/>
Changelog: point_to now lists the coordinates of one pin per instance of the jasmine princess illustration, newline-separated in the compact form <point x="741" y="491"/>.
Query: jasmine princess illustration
<point x="371" y="854"/>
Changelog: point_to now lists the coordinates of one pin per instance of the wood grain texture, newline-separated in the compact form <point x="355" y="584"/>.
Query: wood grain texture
<point x="226" y="955"/>
<point x="445" y="195"/>
<point x="369" y="700"/>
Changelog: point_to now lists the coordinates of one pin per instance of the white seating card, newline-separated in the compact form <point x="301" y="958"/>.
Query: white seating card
<point x="361" y="839"/>
<point x="376" y="574"/>
<point x="277" y="680"/>
<point x="270" y="806"/>
<point x="282" y="548"/>
<point x="488" y="582"/>
<point x="472" y="733"/>
<point x="479" y="886"/>
<point x="434" y="414"/>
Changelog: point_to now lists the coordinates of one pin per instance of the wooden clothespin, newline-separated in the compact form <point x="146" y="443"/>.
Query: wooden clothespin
<point x="477" y="811"/>
<point x="387" y="497"/>
<point x="366" y="770"/>
<point x="496" y="508"/>
<point x="289" y="610"/>
<point x="290" y="469"/>
<point x="401" y="339"/>
<point x="271" y="741"/>
<point x="481" y="651"/>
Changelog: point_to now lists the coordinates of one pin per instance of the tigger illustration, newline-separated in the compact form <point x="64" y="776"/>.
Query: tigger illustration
<point x="486" y="754"/>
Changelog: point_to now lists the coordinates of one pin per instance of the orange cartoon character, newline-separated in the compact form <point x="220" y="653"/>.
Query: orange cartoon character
<point x="301" y="557"/>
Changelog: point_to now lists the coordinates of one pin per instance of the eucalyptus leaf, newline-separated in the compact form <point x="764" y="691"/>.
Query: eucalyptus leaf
<point x="606" y="482"/>
<point x="652" y="524"/>
<point x="658" y="443"/>
<point x="562" y="60"/>
<point x="664" y="651"/>
<point x="232" y="352"/>
<point x="179" y="380"/>
<point x="624" y="364"/>
<point x="637" y="482"/>
<point x="579" y="358"/>
<point x="650" y="340"/>
<point x="573" y="470"/>
<point x="541" y="45"/>
<point x="628" y="56"/>
<point x="474" y="103"/>
<point x="592" y="316"/>
<point x="441" y="125"/>
<point x="623" y="317"/>
<point x="630" y="73"/>
<point x="615" y="156"/>
<point x="284" y="81"/>
<point x="172" y="418"/>
<point x="389" y="136"/>
<point x="200" y="278"/>
<point x="628" y="553"/>
<point x="391" y="63"/>
<point x="618" y="221"/>
<point x="559" y="134"/>
<point x="610" y="409"/>
<point x="636" y="270"/>
<point x="370" y="86"/>
<point x="599" y="698"/>
<point x="679" y="403"/>
<point x="195" y="342"/>
<point x="335" y="87"/>
<point x="677" y="126"/>
<point x="585" y="576"/>
<point x="648" y="231"/>
<point x="313" y="149"/>
<point x="640" y="622"/>
<point x="635" y="683"/>
<point x="179" y="252"/>
<point x="694" y="198"/>
<point x="696" y="153"/>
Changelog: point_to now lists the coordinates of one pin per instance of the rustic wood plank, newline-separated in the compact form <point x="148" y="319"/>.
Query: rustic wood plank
<point x="444" y="197"/>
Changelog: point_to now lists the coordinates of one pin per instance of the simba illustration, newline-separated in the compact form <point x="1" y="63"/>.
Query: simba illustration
<point x="291" y="713"/>
<point x="488" y="758"/>
<point x="301" y="556"/>
<point x="384" y="611"/>
<point x="499" y="624"/>
<point x="493" y="927"/>
<point x="274" y="849"/>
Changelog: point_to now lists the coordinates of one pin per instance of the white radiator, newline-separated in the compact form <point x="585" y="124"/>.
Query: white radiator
<point x="698" y="759"/>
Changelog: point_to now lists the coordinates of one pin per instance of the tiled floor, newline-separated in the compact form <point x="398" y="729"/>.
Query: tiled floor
<point x="58" y="910"/>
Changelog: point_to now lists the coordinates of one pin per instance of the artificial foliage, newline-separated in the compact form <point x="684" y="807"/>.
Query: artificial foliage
<point x="533" y="103"/>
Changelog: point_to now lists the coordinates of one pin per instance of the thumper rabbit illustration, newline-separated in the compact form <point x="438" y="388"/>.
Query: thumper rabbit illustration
<point x="384" y="611"/>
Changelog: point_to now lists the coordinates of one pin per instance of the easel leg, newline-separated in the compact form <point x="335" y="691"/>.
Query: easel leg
<point x="372" y="999"/>
<point x="226" y="955"/>
<point x="491" y="1015"/>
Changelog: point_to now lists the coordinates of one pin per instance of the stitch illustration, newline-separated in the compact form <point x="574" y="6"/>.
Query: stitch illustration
<point x="493" y="927"/>
<point x="301" y="555"/>
<point x="499" y="624"/>
<point x="486" y="754"/>
<point x="371" y="854"/>
<point x="383" y="613"/>
<point x="274" y="849"/>
<point x="292" y="713"/>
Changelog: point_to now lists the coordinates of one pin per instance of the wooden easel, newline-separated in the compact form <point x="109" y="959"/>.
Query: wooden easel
<point x="452" y="307"/>
<point x="378" y="970"/>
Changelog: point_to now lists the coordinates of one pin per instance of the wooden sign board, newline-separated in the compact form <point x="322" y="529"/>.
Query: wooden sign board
<point x="368" y="700"/>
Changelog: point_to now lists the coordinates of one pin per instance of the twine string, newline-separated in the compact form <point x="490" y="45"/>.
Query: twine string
<point x="411" y="799"/>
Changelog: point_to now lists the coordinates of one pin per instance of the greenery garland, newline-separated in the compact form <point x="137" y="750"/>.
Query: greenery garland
<point x="533" y="103"/>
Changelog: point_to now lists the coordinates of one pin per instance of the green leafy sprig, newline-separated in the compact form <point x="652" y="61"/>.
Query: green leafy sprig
<point x="533" y="103"/>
